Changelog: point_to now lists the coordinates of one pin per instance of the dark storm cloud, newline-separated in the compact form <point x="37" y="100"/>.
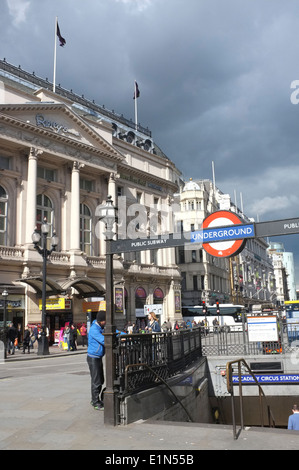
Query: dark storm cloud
<point x="214" y="78"/>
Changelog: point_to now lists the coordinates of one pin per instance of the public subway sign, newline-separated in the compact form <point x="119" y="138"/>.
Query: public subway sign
<point x="222" y="234"/>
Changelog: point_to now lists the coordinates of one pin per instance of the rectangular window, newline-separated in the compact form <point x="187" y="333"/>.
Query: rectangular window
<point x="87" y="185"/>
<point x="46" y="173"/>
<point x="4" y="163"/>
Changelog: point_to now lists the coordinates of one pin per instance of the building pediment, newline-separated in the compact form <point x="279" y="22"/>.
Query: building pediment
<point x="60" y="121"/>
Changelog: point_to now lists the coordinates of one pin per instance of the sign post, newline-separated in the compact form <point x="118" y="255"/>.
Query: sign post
<point x="223" y="234"/>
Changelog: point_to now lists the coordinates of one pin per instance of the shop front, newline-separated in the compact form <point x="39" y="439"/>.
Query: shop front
<point x="15" y="312"/>
<point x="58" y="313"/>
<point x="140" y="301"/>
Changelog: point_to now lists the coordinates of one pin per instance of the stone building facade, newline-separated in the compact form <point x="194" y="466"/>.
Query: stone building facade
<point x="60" y="156"/>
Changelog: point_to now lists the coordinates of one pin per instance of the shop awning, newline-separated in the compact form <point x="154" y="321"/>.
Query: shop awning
<point x="52" y="287"/>
<point x="85" y="287"/>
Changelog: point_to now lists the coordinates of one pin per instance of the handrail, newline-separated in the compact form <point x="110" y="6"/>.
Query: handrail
<point x="230" y="389"/>
<point x="158" y="377"/>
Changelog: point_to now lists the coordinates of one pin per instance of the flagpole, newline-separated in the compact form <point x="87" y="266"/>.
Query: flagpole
<point x="136" y="118"/>
<point x="55" y="47"/>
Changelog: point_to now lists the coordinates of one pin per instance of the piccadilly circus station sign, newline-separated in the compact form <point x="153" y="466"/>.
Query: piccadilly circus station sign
<point x="223" y="234"/>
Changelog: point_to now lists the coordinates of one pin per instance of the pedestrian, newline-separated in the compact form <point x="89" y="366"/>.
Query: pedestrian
<point x="293" y="422"/>
<point x="130" y="328"/>
<point x="153" y="324"/>
<point x="95" y="354"/>
<point x="83" y="332"/>
<point x="66" y="336"/>
<point x="12" y="334"/>
<point x="73" y="338"/>
<point x="33" y="337"/>
<point x="26" y="340"/>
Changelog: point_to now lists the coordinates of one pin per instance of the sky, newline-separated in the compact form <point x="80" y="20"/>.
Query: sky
<point x="218" y="81"/>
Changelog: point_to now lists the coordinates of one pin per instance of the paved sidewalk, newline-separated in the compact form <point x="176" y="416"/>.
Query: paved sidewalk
<point x="54" y="351"/>
<point x="54" y="412"/>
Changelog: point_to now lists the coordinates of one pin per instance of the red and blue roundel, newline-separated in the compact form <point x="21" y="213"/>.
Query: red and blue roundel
<point x="223" y="249"/>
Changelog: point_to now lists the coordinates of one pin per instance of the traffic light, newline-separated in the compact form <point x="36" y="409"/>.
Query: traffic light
<point x="204" y="307"/>
<point x="217" y="308"/>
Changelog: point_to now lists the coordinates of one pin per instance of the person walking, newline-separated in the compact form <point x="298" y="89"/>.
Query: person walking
<point x="95" y="354"/>
<point x="33" y="337"/>
<point x="66" y="336"/>
<point x="26" y="340"/>
<point x="83" y="332"/>
<point x="73" y="338"/>
<point x="12" y="334"/>
<point x="293" y="422"/>
<point x="153" y="324"/>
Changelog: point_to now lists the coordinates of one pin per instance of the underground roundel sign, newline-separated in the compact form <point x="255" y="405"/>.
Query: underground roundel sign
<point x="223" y="249"/>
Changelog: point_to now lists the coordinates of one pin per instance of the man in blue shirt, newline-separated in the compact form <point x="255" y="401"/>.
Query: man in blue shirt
<point x="95" y="354"/>
<point x="293" y="422"/>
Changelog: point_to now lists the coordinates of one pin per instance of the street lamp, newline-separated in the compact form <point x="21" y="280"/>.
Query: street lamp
<point x="43" y="345"/>
<point x="4" y="296"/>
<point x="107" y="213"/>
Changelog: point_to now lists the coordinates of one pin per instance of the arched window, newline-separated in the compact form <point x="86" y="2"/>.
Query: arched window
<point x="85" y="229"/>
<point x="3" y="216"/>
<point x="44" y="209"/>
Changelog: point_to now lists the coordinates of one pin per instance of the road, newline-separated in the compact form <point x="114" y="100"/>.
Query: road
<point x="45" y="366"/>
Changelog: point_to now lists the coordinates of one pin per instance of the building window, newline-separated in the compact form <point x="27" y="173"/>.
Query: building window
<point x="87" y="185"/>
<point x="46" y="173"/>
<point x="120" y="191"/>
<point x="85" y="229"/>
<point x="195" y="284"/>
<point x="44" y="209"/>
<point x="181" y="255"/>
<point x="4" y="163"/>
<point x="3" y="216"/>
<point x="154" y="257"/>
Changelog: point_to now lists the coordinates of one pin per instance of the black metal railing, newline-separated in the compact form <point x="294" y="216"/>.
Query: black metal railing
<point x="232" y="341"/>
<point x="262" y="397"/>
<point x="165" y="354"/>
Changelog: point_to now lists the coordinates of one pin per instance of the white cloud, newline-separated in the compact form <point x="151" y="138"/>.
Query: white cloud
<point x="138" y="5"/>
<point x="275" y="203"/>
<point x="18" y="9"/>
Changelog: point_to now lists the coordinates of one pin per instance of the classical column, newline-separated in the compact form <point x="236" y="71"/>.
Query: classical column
<point x="31" y="193"/>
<point x="112" y="187"/>
<point x="75" y="208"/>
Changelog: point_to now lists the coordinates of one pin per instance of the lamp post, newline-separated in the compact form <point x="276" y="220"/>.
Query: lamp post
<point x="4" y="296"/>
<point x="107" y="214"/>
<point x="43" y="344"/>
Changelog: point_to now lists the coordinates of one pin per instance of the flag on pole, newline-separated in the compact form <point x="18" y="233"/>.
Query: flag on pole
<point x="61" y="39"/>
<point x="136" y="95"/>
<point x="62" y="42"/>
<point x="136" y="91"/>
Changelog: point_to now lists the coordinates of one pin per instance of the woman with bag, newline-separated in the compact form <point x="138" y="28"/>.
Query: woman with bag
<point x="153" y="324"/>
